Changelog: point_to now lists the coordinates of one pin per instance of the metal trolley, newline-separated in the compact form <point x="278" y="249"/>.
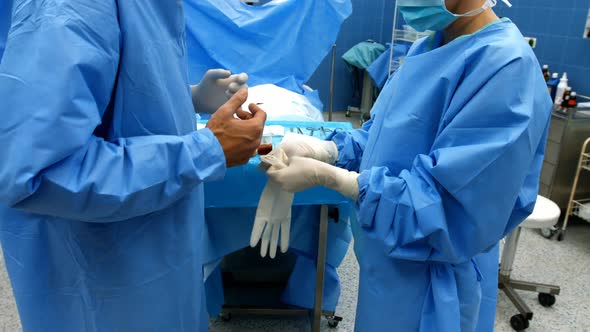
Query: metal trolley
<point x="578" y="206"/>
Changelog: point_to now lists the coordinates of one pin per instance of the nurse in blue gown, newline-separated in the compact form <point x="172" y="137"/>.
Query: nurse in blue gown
<point x="447" y="166"/>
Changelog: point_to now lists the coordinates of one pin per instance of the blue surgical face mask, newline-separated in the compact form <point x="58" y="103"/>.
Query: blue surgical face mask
<point x="433" y="15"/>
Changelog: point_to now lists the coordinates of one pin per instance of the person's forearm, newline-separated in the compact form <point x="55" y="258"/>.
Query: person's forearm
<point x="107" y="182"/>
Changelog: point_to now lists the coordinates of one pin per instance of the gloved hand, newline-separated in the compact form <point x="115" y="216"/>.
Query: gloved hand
<point x="215" y="89"/>
<point x="273" y="215"/>
<point x="296" y="145"/>
<point x="304" y="173"/>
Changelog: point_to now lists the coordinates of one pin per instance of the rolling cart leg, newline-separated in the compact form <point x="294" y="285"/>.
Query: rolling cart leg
<point x="321" y="269"/>
<point x="570" y="204"/>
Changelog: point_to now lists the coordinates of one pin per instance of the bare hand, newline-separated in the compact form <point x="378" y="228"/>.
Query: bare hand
<point x="239" y="138"/>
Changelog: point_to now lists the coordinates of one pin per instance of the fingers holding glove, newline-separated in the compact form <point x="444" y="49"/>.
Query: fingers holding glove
<point x="297" y="145"/>
<point x="288" y="175"/>
<point x="304" y="173"/>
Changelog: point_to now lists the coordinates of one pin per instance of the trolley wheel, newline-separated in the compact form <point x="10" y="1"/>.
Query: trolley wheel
<point x="519" y="322"/>
<point x="333" y="321"/>
<point x="225" y="317"/>
<point x="546" y="300"/>
<point x="347" y="114"/>
<point x="548" y="232"/>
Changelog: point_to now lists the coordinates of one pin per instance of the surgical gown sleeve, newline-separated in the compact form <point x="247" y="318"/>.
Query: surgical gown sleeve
<point x="56" y="80"/>
<point x="477" y="182"/>
<point x="351" y="146"/>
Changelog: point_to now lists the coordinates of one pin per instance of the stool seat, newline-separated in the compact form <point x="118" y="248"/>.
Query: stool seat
<point x="545" y="214"/>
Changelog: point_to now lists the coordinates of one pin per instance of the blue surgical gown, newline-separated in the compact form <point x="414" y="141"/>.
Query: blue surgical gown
<point x="449" y="165"/>
<point x="5" y="19"/>
<point x="101" y="198"/>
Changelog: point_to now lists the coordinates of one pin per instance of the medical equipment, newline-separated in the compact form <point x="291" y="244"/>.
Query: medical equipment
<point x="577" y="206"/>
<point x="561" y="87"/>
<point x="264" y="149"/>
<point x="332" y="81"/>
<point x="545" y="214"/>
<point x="567" y="133"/>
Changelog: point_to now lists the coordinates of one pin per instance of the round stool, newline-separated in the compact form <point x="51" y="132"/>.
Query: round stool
<point x="545" y="215"/>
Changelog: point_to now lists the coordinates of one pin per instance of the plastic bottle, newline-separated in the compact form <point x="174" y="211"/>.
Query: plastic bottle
<point x="561" y="89"/>
<point x="565" y="102"/>
<point x="573" y="102"/>
<point x="552" y="85"/>
<point x="546" y="74"/>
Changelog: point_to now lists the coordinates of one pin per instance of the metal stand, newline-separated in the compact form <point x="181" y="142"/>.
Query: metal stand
<point x="332" y="79"/>
<point x="316" y="313"/>
<point x="367" y="99"/>
<point x="546" y="292"/>
<point x="576" y="206"/>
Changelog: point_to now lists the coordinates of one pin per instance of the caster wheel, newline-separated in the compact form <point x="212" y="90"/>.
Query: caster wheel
<point x="347" y="114"/>
<point x="548" y="232"/>
<point x="333" y="321"/>
<point x="546" y="300"/>
<point x="560" y="237"/>
<point x="519" y="322"/>
<point x="225" y="317"/>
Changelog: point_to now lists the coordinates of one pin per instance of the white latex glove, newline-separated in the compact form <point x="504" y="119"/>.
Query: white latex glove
<point x="215" y="89"/>
<point x="304" y="173"/>
<point x="273" y="216"/>
<point x="297" y="145"/>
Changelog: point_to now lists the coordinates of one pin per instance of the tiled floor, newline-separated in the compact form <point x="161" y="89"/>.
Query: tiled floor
<point x="564" y="263"/>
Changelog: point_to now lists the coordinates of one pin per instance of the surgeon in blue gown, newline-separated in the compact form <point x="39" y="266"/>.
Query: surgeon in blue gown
<point x="447" y="166"/>
<point x="101" y="195"/>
